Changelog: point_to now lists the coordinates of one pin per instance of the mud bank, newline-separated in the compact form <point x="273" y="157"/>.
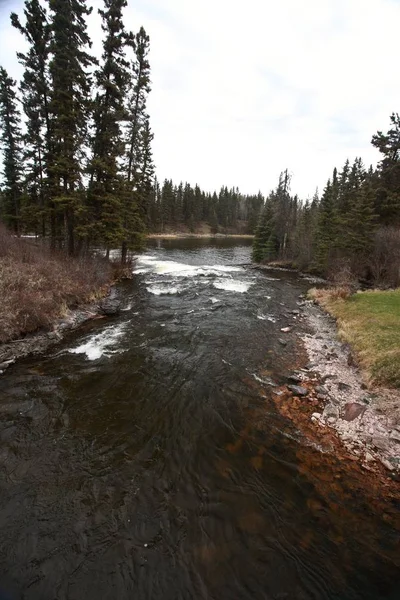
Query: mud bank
<point x="339" y="403"/>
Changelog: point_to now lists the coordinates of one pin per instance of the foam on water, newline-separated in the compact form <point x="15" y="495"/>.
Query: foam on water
<point x="163" y="289"/>
<point x="152" y="264"/>
<point x="231" y="285"/>
<point x="101" y="344"/>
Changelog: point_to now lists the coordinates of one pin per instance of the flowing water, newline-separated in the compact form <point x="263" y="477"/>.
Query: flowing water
<point x="143" y="457"/>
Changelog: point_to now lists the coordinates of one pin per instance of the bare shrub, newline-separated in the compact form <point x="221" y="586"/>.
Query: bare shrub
<point x="37" y="287"/>
<point x="384" y="261"/>
<point x="342" y="277"/>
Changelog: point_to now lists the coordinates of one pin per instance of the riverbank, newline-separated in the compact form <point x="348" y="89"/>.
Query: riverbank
<point x="43" y="295"/>
<point x="331" y="399"/>
<point x="370" y="322"/>
<point x="177" y="236"/>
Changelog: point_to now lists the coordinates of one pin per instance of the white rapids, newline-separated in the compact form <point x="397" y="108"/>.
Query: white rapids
<point x="101" y="344"/>
<point x="166" y="277"/>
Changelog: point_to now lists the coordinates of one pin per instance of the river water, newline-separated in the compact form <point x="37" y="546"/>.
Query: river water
<point x="143" y="457"/>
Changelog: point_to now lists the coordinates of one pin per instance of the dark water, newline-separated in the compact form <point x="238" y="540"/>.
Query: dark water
<point x="143" y="459"/>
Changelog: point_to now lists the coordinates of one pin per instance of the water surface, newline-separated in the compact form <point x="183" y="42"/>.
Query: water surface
<point x="143" y="457"/>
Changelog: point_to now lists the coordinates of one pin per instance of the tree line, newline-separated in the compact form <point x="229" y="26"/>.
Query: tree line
<point x="353" y="227"/>
<point x="78" y="165"/>
<point x="173" y="206"/>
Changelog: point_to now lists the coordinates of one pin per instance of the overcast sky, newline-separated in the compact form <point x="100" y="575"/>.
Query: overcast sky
<point x="242" y="90"/>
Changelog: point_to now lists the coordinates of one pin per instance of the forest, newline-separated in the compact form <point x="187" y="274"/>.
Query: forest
<point x="78" y="166"/>
<point x="352" y="230"/>
<point x="78" y="169"/>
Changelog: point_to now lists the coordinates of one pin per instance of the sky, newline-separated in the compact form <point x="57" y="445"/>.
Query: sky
<point x="242" y="90"/>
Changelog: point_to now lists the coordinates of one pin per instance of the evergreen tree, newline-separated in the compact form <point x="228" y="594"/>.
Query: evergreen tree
<point x="134" y="209"/>
<point x="106" y="188"/>
<point x="263" y="244"/>
<point x="11" y="146"/>
<point x="325" y="234"/>
<point x="137" y="100"/>
<point x="387" y="184"/>
<point x="145" y="176"/>
<point x="69" y="110"/>
<point x="35" y="100"/>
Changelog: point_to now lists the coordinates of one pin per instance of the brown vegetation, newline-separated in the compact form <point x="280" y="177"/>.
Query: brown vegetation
<point x="37" y="287"/>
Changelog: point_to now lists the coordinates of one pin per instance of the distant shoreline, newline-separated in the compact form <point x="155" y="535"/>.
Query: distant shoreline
<point x="155" y="236"/>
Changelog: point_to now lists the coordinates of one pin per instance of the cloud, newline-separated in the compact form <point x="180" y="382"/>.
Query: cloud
<point x="243" y="90"/>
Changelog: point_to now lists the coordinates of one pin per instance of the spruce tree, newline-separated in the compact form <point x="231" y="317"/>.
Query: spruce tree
<point x="69" y="111"/>
<point x="264" y="237"/>
<point x="134" y="210"/>
<point x="145" y="177"/>
<point x="325" y="229"/>
<point x="10" y="137"/>
<point x="387" y="199"/>
<point x="106" y="188"/>
<point x="35" y="100"/>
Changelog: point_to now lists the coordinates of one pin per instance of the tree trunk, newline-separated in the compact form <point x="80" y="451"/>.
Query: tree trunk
<point x="124" y="252"/>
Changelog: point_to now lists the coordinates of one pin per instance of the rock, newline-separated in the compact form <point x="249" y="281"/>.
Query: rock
<point x="298" y="390"/>
<point x="7" y="363"/>
<point x="295" y="312"/>
<point x="295" y="378"/>
<point x="111" y="305"/>
<point x="352" y="410"/>
<point x="343" y="387"/>
<point x="369" y="457"/>
<point x="283" y="342"/>
<point x="54" y="335"/>
<point x="394" y="434"/>
<point x="285" y="329"/>
<point x="381" y="442"/>
<point x="387" y="464"/>
<point x="326" y="377"/>
<point x="321" y="390"/>
<point x="278" y="392"/>
<point x="316" y="416"/>
<point x="330" y="413"/>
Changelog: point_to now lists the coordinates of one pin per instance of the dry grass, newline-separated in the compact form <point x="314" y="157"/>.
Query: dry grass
<point x="36" y="287"/>
<point x="370" y="322"/>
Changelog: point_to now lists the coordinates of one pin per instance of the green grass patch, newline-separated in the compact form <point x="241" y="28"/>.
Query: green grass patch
<point x="370" y="322"/>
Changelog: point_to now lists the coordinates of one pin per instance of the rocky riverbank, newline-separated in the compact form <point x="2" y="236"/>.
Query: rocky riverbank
<point x="367" y="420"/>
<point x="331" y="394"/>
<point x="39" y="342"/>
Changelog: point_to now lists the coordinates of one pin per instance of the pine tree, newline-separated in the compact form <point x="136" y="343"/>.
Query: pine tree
<point x="388" y="182"/>
<point x="11" y="144"/>
<point x="138" y="99"/>
<point x="35" y="99"/>
<point x="106" y="188"/>
<point x="325" y="233"/>
<point x="69" y="110"/>
<point x="145" y="177"/>
<point x="263" y="242"/>
<point x="362" y="220"/>
<point x="133" y="205"/>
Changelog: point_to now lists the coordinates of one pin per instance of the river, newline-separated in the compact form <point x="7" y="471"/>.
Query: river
<point x="143" y="457"/>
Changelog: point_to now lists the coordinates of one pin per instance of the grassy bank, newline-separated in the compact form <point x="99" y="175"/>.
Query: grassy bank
<point x="36" y="288"/>
<point x="370" y="323"/>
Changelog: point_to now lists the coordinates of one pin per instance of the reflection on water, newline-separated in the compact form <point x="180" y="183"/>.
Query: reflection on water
<point x="144" y="459"/>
